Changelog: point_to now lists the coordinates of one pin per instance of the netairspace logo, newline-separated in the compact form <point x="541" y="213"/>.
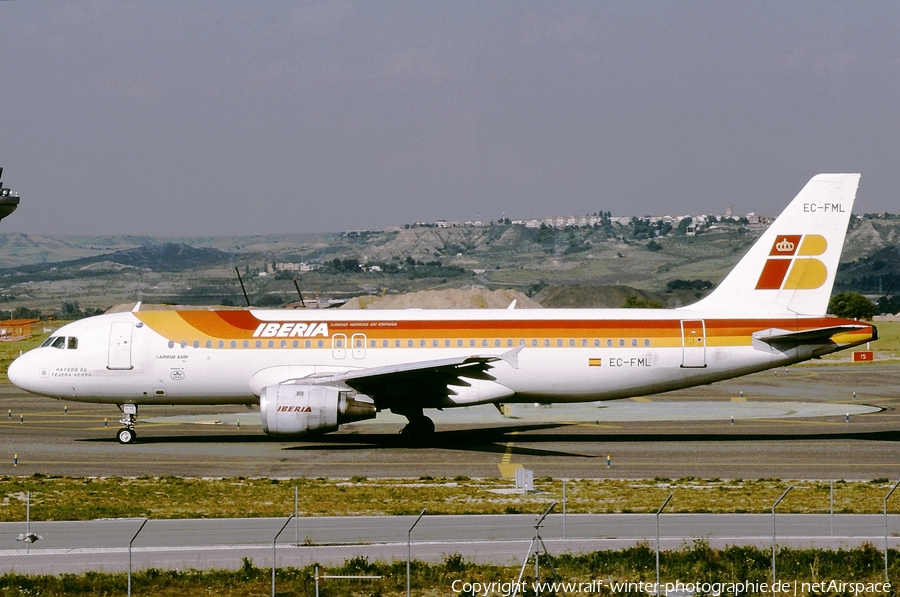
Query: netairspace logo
<point x="507" y="589"/>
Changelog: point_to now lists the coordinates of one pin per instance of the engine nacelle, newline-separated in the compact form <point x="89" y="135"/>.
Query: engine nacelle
<point x="288" y="409"/>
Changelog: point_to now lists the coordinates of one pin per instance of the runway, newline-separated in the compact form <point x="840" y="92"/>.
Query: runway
<point x="73" y="547"/>
<point x="789" y="423"/>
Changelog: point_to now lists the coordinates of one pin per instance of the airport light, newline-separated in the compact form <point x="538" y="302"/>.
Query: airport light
<point x="790" y="487"/>
<point x="408" y="547"/>
<point x="129" y="553"/>
<point x="657" y="538"/>
<point x="274" y="541"/>
<point x="885" y="530"/>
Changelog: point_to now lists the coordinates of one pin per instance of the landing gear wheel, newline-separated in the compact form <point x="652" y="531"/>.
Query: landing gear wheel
<point x="419" y="431"/>
<point x="126" y="436"/>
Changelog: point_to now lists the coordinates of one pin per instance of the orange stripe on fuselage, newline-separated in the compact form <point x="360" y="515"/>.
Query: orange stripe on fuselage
<point x="240" y="325"/>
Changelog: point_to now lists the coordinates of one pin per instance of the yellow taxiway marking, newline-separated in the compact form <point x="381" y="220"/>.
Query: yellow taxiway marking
<point x="507" y="468"/>
<point x="740" y="399"/>
<point x="641" y="399"/>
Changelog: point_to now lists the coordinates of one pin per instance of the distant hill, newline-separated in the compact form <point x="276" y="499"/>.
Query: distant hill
<point x="572" y="266"/>
<point x="170" y="257"/>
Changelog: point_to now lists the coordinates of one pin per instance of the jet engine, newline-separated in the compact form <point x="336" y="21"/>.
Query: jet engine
<point x="289" y="409"/>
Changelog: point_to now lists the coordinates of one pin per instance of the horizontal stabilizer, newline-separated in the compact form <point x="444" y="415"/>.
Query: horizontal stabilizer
<point x="818" y="336"/>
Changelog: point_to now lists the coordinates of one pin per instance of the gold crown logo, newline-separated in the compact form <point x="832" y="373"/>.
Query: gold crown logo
<point x="784" y="246"/>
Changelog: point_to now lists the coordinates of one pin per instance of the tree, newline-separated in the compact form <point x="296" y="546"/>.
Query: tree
<point x="852" y="305"/>
<point x="639" y="302"/>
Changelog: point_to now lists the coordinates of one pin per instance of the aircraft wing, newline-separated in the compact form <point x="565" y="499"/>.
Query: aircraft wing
<point x="423" y="383"/>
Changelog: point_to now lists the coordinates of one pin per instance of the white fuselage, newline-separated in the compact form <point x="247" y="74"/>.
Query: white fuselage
<point x="556" y="355"/>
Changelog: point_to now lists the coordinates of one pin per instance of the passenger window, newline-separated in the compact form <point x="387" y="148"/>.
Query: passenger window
<point x="48" y="341"/>
<point x="72" y="343"/>
<point x="59" y="342"/>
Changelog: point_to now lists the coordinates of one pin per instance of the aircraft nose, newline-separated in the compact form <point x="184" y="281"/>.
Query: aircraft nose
<point x="18" y="372"/>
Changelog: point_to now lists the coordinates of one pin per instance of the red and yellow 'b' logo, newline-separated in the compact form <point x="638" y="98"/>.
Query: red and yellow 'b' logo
<point x="796" y="253"/>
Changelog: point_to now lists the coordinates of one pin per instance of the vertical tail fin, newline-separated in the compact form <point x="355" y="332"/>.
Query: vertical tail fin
<point x="791" y="268"/>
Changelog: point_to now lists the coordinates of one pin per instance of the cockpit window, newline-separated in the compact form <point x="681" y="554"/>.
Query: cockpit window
<point x="48" y="341"/>
<point x="72" y="343"/>
<point x="59" y="342"/>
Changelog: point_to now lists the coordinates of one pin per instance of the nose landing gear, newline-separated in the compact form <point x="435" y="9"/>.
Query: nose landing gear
<point x="127" y="434"/>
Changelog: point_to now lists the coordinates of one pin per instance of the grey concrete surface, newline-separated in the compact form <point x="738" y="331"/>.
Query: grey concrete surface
<point x="72" y="547"/>
<point x="789" y="423"/>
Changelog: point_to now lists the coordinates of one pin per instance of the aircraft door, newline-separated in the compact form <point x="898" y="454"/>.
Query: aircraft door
<point x="339" y="346"/>
<point x="358" y="342"/>
<point x="693" y="342"/>
<point x="120" y="345"/>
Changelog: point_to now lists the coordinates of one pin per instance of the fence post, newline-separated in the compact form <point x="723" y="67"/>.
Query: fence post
<point x="409" y="548"/>
<point x="140" y="528"/>
<point x="274" y="541"/>
<point x="886" y="531"/>
<point x="657" y="538"/>
<point x="773" y="530"/>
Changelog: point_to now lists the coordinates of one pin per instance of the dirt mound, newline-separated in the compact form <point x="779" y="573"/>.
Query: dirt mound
<point x="470" y="298"/>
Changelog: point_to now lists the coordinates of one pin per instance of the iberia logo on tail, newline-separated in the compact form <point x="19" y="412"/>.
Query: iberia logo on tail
<point x="792" y="263"/>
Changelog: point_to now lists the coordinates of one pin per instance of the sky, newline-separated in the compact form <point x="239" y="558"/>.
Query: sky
<point x="229" y="117"/>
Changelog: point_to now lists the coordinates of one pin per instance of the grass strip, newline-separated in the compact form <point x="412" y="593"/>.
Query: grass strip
<point x="89" y="498"/>
<point x="593" y="573"/>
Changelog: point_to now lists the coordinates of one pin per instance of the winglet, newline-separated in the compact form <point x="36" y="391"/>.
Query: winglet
<point x="791" y="268"/>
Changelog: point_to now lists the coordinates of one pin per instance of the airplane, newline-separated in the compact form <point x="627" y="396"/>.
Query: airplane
<point x="312" y="371"/>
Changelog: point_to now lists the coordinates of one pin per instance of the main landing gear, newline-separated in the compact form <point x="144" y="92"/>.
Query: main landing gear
<point x="126" y="434"/>
<point x="419" y="431"/>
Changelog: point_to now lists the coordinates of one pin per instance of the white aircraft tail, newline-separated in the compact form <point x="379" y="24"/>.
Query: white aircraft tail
<point x="790" y="269"/>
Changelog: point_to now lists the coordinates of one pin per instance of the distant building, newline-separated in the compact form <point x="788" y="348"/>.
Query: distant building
<point x="17" y="328"/>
